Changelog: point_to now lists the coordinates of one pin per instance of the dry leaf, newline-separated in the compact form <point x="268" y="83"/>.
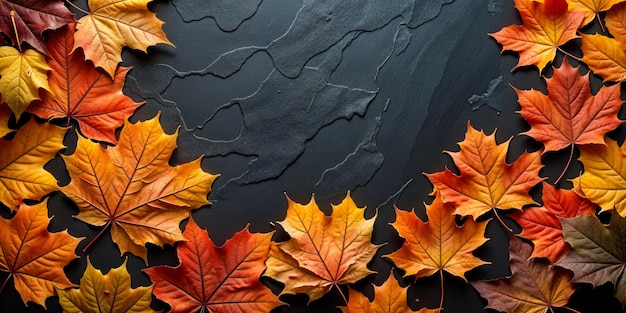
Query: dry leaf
<point x="216" y="279"/>
<point x="114" y="24"/>
<point x="22" y="173"/>
<point x="487" y="182"/>
<point x="23" y="74"/>
<point x="110" y="293"/>
<point x="33" y="256"/>
<point x="81" y="92"/>
<point x="132" y="190"/>
<point x="324" y="251"/>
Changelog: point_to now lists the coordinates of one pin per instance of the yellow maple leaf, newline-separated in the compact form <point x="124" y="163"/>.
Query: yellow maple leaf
<point x="110" y="292"/>
<point x="23" y="74"/>
<point x="114" y="24"/>
<point x="324" y="251"/>
<point x="604" y="179"/>
<point x="591" y="8"/>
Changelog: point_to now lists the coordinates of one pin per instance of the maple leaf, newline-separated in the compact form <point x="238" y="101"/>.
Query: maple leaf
<point x="533" y="287"/>
<point x="23" y="74"/>
<point x="438" y="244"/>
<point x="597" y="255"/>
<point x="111" y="292"/>
<point x="324" y="251"/>
<point x="388" y="298"/>
<point x="22" y="173"/>
<point x="114" y="24"/>
<point x="546" y="26"/>
<point x="486" y="181"/>
<point x="132" y="190"/>
<point x="604" y="179"/>
<point x="541" y="224"/>
<point x="33" y="256"/>
<point x="591" y="8"/>
<point x="570" y="114"/>
<point x="30" y="18"/>
<point x="199" y="283"/>
<point x="604" y="55"/>
<point x="81" y="92"/>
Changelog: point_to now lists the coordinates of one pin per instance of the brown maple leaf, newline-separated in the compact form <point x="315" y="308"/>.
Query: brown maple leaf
<point x="131" y="190"/>
<point x="30" y="18"/>
<point x="533" y="287"/>
<point x="199" y="283"/>
<point x="80" y="92"/>
<point x="33" y="256"/>
<point x="541" y="224"/>
<point x="546" y="26"/>
<point x="486" y="182"/>
<point x="114" y="24"/>
<point x="597" y="255"/>
<point x="22" y="173"/>
<point x="324" y="251"/>
<point x="111" y="292"/>
<point x="389" y="297"/>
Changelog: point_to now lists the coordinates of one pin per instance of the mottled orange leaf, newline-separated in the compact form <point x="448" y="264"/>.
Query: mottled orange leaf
<point x="33" y="256"/>
<point x="81" y="92"/>
<point x="216" y="279"/>
<point x="438" y="244"/>
<point x="604" y="179"/>
<point x="324" y="251"/>
<point x="389" y="297"/>
<point x="114" y="24"/>
<point x="597" y="254"/>
<point x="615" y="21"/>
<point x="31" y="18"/>
<point x="132" y="190"/>
<point x="533" y="287"/>
<point x="570" y="114"/>
<point x="22" y="75"/>
<point x="486" y="181"/>
<point x="591" y="8"/>
<point x="22" y="173"/>
<point x="111" y="292"/>
<point x="541" y="224"/>
<point x="545" y="27"/>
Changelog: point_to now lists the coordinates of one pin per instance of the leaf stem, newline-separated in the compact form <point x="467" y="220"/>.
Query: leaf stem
<point x="5" y="282"/>
<point x="495" y="212"/>
<point x="442" y="290"/>
<point x="102" y="231"/>
<point x="569" y="54"/>
<point x="345" y="300"/>
<point x="571" y="309"/>
<point x="76" y="7"/>
<point x="569" y="161"/>
<point x="17" y="36"/>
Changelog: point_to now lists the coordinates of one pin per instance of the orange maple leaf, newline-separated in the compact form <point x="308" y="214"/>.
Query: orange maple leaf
<point x="604" y="55"/>
<point x="132" y="190"/>
<point x="324" y="251"/>
<point x="33" y="256"/>
<point x="486" y="181"/>
<point x="199" y="283"/>
<point x="439" y="244"/>
<point x="111" y="292"/>
<point x="114" y="24"/>
<point x="22" y="173"/>
<point x="81" y="92"/>
<point x="541" y="225"/>
<point x="604" y="179"/>
<point x="389" y="297"/>
<point x="546" y="26"/>
<point x="570" y="114"/>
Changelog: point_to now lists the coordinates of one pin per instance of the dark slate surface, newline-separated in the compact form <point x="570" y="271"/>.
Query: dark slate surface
<point x="325" y="96"/>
